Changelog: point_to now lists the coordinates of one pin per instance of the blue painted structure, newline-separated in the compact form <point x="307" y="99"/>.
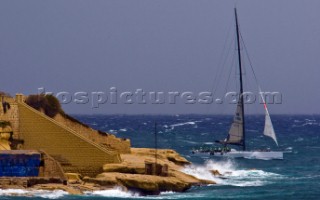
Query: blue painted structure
<point x="19" y="163"/>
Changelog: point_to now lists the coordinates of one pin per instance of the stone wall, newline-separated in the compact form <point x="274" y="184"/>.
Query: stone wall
<point x="11" y="115"/>
<point x="75" y="152"/>
<point x="50" y="168"/>
<point x="106" y="140"/>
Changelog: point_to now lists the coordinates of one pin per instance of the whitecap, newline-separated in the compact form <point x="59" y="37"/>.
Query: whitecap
<point x="310" y="120"/>
<point x="189" y="142"/>
<point x="123" y="129"/>
<point x="300" y="139"/>
<point x="288" y="150"/>
<point x="183" y="124"/>
<point x="249" y="184"/>
<point x="230" y="174"/>
<point x="113" y="131"/>
<point x="309" y="123"/>
<point x="208" y="143"/>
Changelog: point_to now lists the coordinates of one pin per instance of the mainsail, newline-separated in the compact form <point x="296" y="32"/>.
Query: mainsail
<point x="236" y="131"/>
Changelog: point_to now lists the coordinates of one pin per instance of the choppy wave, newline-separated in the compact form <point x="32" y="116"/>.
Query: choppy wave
<point x="300" y="139"/>
<point x="113" y="131"/>
<point x="115" y="192"/>
<point x="306" y="122"/>
<point x="230" y="174"/>
<point x="118" y="192"/>
<point x="55" y="194"/>
<point x="183" y="124"/>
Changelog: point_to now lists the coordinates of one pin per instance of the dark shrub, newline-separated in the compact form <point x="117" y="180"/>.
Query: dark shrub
<point x="4" y="124"/>
<point x="48" y="103"/>
<point x="53" y="106"/>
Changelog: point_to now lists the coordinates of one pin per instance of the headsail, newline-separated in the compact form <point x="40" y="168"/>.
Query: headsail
<point x="268" y="127"/>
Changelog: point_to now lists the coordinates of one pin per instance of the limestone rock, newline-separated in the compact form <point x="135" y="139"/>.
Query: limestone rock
<point x="73" y="178"/>
<point x="145" y="184"/>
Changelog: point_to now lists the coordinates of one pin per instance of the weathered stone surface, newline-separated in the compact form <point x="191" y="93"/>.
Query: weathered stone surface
<point x="131" y="172"/>
<point x="102" y="181"/>
<point x="69" y="189"/>
<point x="145" y="184"/>
<point x="167" y="154"/>
<point x="73" y="178"/>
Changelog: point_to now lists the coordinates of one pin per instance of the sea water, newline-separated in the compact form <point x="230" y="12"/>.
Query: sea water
<point x="297" y="176"/>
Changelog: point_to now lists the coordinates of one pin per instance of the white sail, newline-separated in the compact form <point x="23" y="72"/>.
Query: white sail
<point x="236" y="130"/>
<point x="268" y="127"/>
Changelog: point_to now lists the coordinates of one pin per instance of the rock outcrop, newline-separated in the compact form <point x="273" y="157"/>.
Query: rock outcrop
<point x="131" y="173"/>
<point x="39" y="123"/>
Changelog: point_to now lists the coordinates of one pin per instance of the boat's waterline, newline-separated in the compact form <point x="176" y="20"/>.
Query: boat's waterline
<point x="263" y="155"/>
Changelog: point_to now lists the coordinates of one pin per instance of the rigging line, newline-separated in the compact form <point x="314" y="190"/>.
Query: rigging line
<point x="222" y="66"/>
<point x="222" y="61"/>
<point x="250" y="63"/>
<point x="230" y="72"/>
<point x="251" y="66"/>
<point x="220" y="75"/>
<point x="232" y="66"/>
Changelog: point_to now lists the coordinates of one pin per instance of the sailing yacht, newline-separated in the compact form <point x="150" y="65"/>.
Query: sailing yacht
<point x="237" y="131"/>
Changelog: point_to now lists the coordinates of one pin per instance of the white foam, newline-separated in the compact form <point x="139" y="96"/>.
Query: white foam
<point x="231" y="175"/>
<point x="203" y="171"/>
<point x="55" y="194"/>
<point x="123" y="129"/>
<point x="167" y="192"/>
<point x="9" y="192"/>
<point x="50" y="194"/>
<point x="114" y="192"/>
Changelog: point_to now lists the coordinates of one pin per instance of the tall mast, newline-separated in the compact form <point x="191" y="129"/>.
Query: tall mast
<point x="241" y="84"/>
<point x="156" y="145"/>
